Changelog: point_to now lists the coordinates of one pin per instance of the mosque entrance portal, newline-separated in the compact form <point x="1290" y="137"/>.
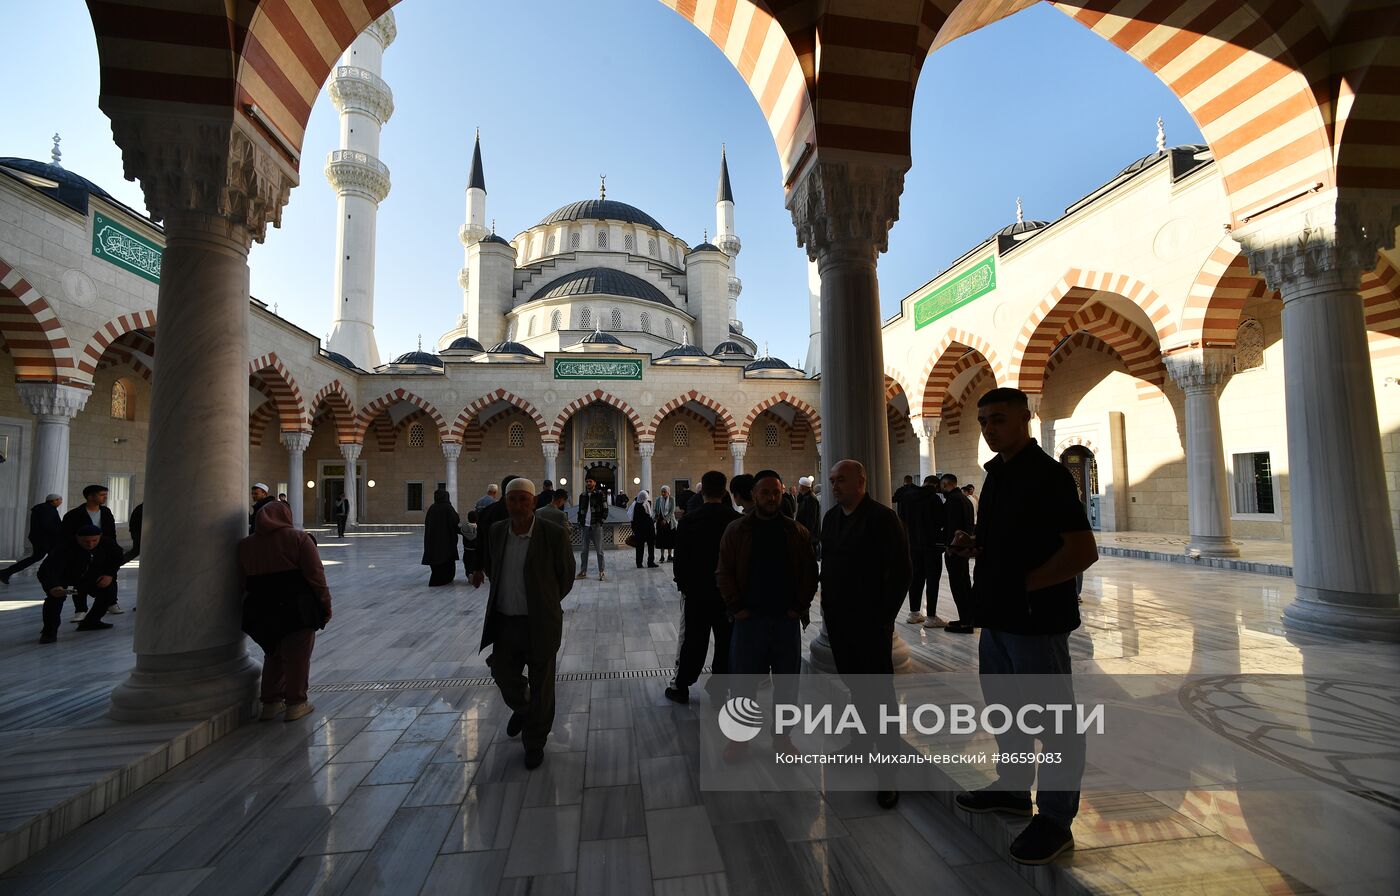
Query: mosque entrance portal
<point x="1085" y="470"/>
<point x="605" y="476"/>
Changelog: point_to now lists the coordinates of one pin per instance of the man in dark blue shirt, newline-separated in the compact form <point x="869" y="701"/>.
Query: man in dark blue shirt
<point x="1032" y="539"/>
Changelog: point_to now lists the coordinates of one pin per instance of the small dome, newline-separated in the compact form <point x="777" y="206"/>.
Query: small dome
<point x="731" y="348"/>
<point x="1021" y="227"/>
<point x="423" y="358"/>
<point x="511" y="348"/>
<point x="602" y="282"/>
<point x="598" y="337"/>
<point x="72" y="189"/>
<point x="683" y="351"/>
<point x="768" y="364"/>
<point x="340" y="359"/>
<point x="466" y="344"/>
<point x="1149" y="160"/>
<point x="494" y="238"/>
<point x="601" y="210"/>
<point x="705" y="247"/>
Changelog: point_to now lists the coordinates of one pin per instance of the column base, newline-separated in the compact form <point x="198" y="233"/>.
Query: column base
<point x="1355" y="623"/>
<point x="195" y="685"/>
<point x="820" y="659"/>
<point x="1212" y="546"/>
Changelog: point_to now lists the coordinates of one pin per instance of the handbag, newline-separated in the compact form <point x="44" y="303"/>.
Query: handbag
<point x="631" y="541"/>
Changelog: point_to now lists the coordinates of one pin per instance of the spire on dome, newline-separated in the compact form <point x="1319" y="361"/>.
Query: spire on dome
<point x="1161" y="135"/>
<point x="56" y="154"/>
<point x="477" y="180"/>
<point x="1020" y="215"/>
<point x="602" y="186"/>
<point x="725" y="193"/>
<point x="420" y="342"/>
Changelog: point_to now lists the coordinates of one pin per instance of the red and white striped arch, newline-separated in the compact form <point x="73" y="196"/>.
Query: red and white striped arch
<point x="270" y="376"/>
<point x="1211" y="315"/>
<point x="33" y="333"/>
<point x="374" y="409"/>
<point x="1080" y="341"/>
<point x="470" y="413"/>
<point x="1380" y="293"/>
<point x="333" y="399"/>
<point x="258" y="420"/>
<point x="640" y="431"/>
<point x="1136" y="347"/>
<point x="725" y="420"/>
<point x="136" y="350"/>
<point x="943" y="367"/>
<point x="792" y="401"/>
<point x="111" y="331"/>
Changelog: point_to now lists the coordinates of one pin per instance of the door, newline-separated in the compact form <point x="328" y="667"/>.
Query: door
<point x="1085" y="470"/>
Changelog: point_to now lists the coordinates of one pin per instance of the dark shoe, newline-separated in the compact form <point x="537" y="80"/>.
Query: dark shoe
<point x="516" y="724"/>
<point x="48" y="638"/>
<point x="4" y="579"/>
<point x="887" y="799"/>
<point x="958" y="627"/>
<point x="653" y="566"/>
<point x="678" y="695"/>
<point x="1041" y="842"/>
<point x="533" y="758"/>
<point x="989" y="800"/>
<point x="92" y="625"/>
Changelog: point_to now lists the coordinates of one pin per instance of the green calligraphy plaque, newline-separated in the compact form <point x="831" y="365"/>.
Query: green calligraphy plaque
<point x="125" y="248"/>
<point x="597" y="369"/>
<point x="973" y="283"/>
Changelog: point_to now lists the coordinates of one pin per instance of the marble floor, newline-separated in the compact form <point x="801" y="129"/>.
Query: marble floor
<point x="403" y="780"/>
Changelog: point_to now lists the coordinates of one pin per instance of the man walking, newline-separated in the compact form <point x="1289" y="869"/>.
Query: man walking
<point x="546" y="495"/>
<point x="45" y="528"/>
<point x="865" y="575"/>
<point x="809" y="511"/>
<point x="532" y="569"/>
<point x="767" y="576"/>
<point x="592" y="511"/>
<point x="342" y="515"/>
<point x="87" y="563"/>
<point x="959" y="519"/>
<point x="261" y="498"/>
<point x="925" y="521"/>
<point x="486" y="500"/>
<point x="702" y="607"/>
<point x="554" y="510"/>
<point x="1032" y="539"/>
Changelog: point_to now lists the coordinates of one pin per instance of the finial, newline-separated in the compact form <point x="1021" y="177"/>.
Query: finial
<point x="420" y="342"/>
<point x="1161" y="135"/>
<point x="493" y="226"/>
<point x="57" y="154"/>
<point x="602" y="186"/>
<point x="274" y="307"/>
<point x="478" y="133"/>
<point x="685" y="335"/>
<point x="765" y="348"/>
<point x="706" y="237"/>
<point x="1020" y="216"/>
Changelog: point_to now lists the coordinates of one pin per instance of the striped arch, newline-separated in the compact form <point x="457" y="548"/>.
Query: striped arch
<point x="111" y="331"/>
<point x="639" y="429"/>
<point x="33" y="333"/>
<point x="270" y="376"/>
<point x="899" y="424"/>
<point x="1366" y="50"/>
<point x="1380" y="293"/>
<point x="954" y="405"/>
<point x="333" y="399"/>
<point x="1082" y="340"/>
<point x="943" y="367"/>
<point x="369" y="412"/>
<point x="257" y="422"/>
<point x="461" y="428"/>
<point x="895" y="384"/>
<point x="1135" y="347"/>
<point x="385" y="436"/>
<point x="802" y="407"/>
<point x="719" y="437"/>
<point x="1219" y="293"/>
<point x="136" y="350"/>
<point x="723" y="419"/>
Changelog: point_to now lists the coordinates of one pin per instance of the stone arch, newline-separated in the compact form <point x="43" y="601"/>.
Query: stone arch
<point x="1224" y="285"/>
<point x="136" y="350"/>
<point x="894" y="384"/>
<point x="334" y="398"/>
<point x="1135" y="347"/>
<point x="269" y="375"/>
<point x="598" y="396"/>
<point x="723" y="419"/>
<point x="1080" y="341"/>
<point x="793" y="401"/>
<point x="110" y="332"/>
<point x="258" y="420"/>
<point x="469" y="414"/>
<point x="1380" y="293"/>
<point x="372" y="410"/>
<point x="33" y="333"/>
<point x="943" y="364"/>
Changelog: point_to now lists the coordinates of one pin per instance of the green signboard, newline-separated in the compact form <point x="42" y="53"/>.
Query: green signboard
<point x="125" y="248"/>
<point x="596" y="369"/>
<point x="976" y="281"/>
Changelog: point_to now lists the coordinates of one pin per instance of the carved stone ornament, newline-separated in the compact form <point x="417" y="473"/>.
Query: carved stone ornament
<point x="845" y="202"/>
<point x="296" y="442"/>
<point x="203" y="164"/>
<point x="1249" y="345"/>
<point x="361" y="90"/>
<point x="384" y="28"/>
<point x="1326" y="236"/>
<point x="452" y="450"/>
<point x="352" y="171"/>
<point x="52" y="400"/>
<point x="1200" y="368"/>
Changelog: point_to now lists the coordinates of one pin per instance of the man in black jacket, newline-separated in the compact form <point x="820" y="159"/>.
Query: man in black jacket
<point x="809" y="512"/>
<point x="592" y="513"/>
<point x="925" y="521"/>
<point x="88" y="563"/>
<point x="45" y="528"/>
<point x="696" y="558"/>
<point x="486" y="518"/>
<point x="92" y="512"/>
<point x="959" y="519"/>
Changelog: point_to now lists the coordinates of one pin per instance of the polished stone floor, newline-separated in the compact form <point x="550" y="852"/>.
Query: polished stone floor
<point x="403" y="780"/>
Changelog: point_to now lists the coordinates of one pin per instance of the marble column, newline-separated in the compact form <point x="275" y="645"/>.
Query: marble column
<point x="450" y="452"/>
<point x="551" y="456"/>
<point x="54" y="408"/>
<point x="646" y="450"/>
<point x="295" y="443"/>
<point x="351" y="454"/>
<point x="736" y="451"/>
<point x="215" y="184"/>
<point x="925" y="430"/>
<point x="1344" y="567"/>
<point x="1044" y="436"/>
<point x="1200" y="372"/>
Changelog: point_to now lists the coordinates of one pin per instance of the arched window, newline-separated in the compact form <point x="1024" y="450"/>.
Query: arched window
<point x="515" y="436"/>
<point x="646" y="322"/>
<point x="121" y="401"/>
<point x="617" y="318"/>
<point x="586" y="319"/>
<point x="416" y="435"/>
<point x="575" y="240"/>
<point x="680" y="436"/>
<point x="531" y="330"/>
<point x="555" y="318"/>
<point x="651" y="247"/>
<point x="770" y="435"/>
<point x="628" y="243"/>
<point x="550" y="244"/>
<point x="602" y="239"/>
<point x="670" y="330"/>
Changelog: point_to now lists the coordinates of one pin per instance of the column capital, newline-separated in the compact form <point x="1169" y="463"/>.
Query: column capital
<point x="350" y="451"/>
<point x="219" y="166"/>
<point x="451" y="450"/>
<point x="550" y="449"/>
<point x="52" y="400"/>
<point x="1326" y="235"/>
<point x="296" y="441"/>
<point x="845" y="203"/>
<point x="737" y="448"/>
<point x="925" y="428"/>
<point x="646" y="449"/>
<point x="1033" y="402"/>
<point x="1200" y="368"/>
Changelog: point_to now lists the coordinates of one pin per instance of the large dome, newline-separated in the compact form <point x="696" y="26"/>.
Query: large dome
<point x="70" y="189"/>
<point x="602" y="282"/>
<point x="602" y="210"/>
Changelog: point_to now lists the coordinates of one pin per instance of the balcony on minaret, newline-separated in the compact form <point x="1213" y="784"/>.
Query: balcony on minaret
<point x="352" y="171"/>
<point x="357" y="89"/>
<point x="728" y="243"/>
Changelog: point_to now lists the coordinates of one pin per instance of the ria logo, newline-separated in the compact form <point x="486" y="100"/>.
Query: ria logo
<point x="740" y="718"/>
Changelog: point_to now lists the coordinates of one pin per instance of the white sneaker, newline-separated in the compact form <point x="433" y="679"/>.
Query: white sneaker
<point x="78" y="617"/>
<point x="115" y="609"/>
<point x="934" y="622"/>
<point x="602" y="577"/>
<point x="915" y="617"/>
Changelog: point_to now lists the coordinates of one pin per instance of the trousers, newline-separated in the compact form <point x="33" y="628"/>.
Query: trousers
<point x="36" y="554"/>
<point x="764" y="644"/>
<point x="701" y="615"/>
<point x="512" y="652"/>
<point x="287" y="670"/>
<point x="925" y="566"/>
<point x="102" y="598"/>
<point x="960" y="583"/>
<point x="593" y="533"/>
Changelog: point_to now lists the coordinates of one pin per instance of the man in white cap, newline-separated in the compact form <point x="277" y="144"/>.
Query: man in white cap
<point x="531" y="567"/>
<point x="809" y="511"/>
<point x="261" y="498"/>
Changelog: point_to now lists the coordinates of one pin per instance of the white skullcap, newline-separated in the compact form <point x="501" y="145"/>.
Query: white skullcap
<point x="521" y="485"/>
<point x="805" y="480"/>
<point x="261" y="485"/>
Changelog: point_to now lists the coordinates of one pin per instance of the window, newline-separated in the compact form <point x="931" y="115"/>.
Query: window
<point x="586" y="318"/>
<point x="574" y="241"/>
<point x="555" y="318"/>
<point x="651" y="247"/>
<point x="515" y="436"/>
<point x="770" y="436"/>
<point x="550" y="244"/>
<point x="531" y="330"/>
<point x="646" y="322"/>
<point x="617" y="318"/>
<point x="119" y="496"/>
<point x="1254" y="483"/>
<point x="413" y="497"/>
<point x="121" y="401"/>
<point x="680" y="436"/>
<point x="628" y="243"/>
<point x="670" y="330"/>
<point x="415" y="435"/>
<point x="602" y="239"/>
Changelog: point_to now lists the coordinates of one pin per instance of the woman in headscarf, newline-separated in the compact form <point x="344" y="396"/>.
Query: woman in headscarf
<point x="440" y="530"/>
<point x="286" y="600"/>
<point x="643" y="528"/>
<point x="664" y="512"/>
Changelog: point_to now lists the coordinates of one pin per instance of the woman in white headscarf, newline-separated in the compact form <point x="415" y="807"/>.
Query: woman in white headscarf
<point x="643" y="528"/>
<point x="664" y="512"/>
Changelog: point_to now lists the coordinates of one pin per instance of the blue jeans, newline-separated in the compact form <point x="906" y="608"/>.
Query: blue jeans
<point x="763" y="644"/>
<point x="1047" y="658"/>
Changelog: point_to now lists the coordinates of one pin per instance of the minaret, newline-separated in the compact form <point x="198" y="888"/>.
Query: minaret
<point x="813" y="364"/>
<point x="471" y="233"/>
<point x="361" y="182"/>
<point x="726" y="239"/>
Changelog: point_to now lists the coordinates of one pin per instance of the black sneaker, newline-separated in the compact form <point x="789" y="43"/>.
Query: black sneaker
<point x="887" y="799"/>
<point x="1041" y="842"/>
<point x="4" y="579"/>
<point x="516" y="724"/>
<point x="989" y="800"/>
<point x="89" y="625"/>
<point x="534" y="758"/>
<point x="47" y="638"/>
<point x="678" y="695"/>
<point x="958" y="627"/>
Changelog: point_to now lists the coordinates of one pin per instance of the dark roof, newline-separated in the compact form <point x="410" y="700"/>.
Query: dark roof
<point x="602" y="282"/>
<point x="1148" y="161"/>
<point x="511" y="348"/>
<point x="72" y="189"/>
<point x="1021" y="227"/>
<point x="768" y="364"/>
<point x="601" y="210"/>
<point x="724" y="194"/>
<point x="340" y="359"/>
<point x="704" y="247"/>
<point x="683" y="351"/>
<point x="477" y="179"/>
<point x="424" y="358"/>
<point x="466" y="343"/>
<point x="731" y="348"/>
<point x="494" y="238"/>
<point x="598" y="337"/>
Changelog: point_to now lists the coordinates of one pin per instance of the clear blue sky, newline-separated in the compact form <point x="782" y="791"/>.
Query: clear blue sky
<point x="1035" y="106"/>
